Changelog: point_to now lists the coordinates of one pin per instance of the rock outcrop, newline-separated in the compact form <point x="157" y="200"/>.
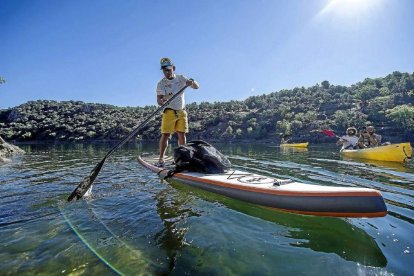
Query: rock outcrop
<point x="7" y="150"/>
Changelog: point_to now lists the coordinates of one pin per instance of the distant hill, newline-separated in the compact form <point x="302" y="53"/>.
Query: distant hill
<point x="387" y="103"/>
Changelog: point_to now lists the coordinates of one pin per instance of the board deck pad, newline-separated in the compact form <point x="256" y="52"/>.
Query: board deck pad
<point x="153" y="159"/>
<point x="233" y="176"/>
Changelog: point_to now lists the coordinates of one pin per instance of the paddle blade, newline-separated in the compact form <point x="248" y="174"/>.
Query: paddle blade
<point x="329" y="133"/>
<point x="87" y="182"/>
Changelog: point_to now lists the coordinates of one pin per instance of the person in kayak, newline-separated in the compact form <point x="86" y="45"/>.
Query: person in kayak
<point x="375" y="138"/>
<point x="350" y="140"/>
<point x="368" y="138"/>
<point x="284" y="140"/>
<point x="174" y="116"/>
<point x="363" y="140"/>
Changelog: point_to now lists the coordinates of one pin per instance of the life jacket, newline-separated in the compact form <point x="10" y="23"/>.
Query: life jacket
<point x="200" y="156"/>
<point x="364" y="140"/>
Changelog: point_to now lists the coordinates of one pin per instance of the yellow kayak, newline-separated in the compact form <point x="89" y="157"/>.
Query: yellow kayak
<point x="298" y="145"/>
<point x="394" y="152"/>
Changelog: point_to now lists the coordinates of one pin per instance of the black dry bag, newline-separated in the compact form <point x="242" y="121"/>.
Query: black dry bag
<point x="200" y="156"/>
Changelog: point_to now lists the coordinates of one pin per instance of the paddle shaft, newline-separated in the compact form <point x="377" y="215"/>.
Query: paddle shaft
<point x="87" y="182"/>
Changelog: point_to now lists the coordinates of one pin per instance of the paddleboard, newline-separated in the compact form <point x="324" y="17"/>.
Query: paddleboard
<point x="281" y="194"/>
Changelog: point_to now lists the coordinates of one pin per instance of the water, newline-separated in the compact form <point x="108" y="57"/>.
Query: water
<point x="135" y="224"/>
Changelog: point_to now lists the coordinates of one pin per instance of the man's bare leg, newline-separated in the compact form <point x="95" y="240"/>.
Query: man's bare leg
<point x="181" y="138"/>
<point x="163" y="145"/>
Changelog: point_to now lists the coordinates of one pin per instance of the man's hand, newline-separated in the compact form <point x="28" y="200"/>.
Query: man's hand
<point x="192" y="83"/>
<point x="161" y="99"/>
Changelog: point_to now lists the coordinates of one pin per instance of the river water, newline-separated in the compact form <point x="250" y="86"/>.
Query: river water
<point x="135" y="224"/>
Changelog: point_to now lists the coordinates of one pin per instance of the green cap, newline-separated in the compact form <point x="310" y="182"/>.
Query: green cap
<point x="166" y="63"/>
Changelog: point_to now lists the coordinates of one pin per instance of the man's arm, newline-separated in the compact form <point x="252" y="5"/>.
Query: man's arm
<point x="161" y="99"/>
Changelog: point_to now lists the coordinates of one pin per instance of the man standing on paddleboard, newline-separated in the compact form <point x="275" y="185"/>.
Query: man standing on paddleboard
<point x="174" y="116"/>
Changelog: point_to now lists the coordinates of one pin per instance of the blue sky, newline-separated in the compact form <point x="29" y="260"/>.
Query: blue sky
<point x="108" y="51"/>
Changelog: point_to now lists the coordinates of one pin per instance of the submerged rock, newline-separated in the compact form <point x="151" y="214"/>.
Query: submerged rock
<point x="7" y="149"/>
<point x="4" y="160"/>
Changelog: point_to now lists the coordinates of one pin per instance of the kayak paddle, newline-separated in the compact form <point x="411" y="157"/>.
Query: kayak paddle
<point x="87" y="182"/>
<point x="330" y="133"/>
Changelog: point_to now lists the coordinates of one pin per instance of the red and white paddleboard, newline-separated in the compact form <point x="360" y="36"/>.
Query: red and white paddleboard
<point x="282" y="194"/>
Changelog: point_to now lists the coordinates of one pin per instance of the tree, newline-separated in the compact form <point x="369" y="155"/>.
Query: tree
<point x="229" y="130"/>
<point x="402" y="116"/>
<point x="377" y="106"/>
<point x="347" y="118"/>
<point x="366" y="93"/>
<point x="325" y="84"/>
<point x="283" y="127"/>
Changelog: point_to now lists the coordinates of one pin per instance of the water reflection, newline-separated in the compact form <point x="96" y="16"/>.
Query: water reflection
<point x="401" y="167"/>
<point x="133" y="243"/>
<point x="103" y="243"/>
<point x="172" y="210"/>
<point x="322" y="234"/>
<point x="290" y="150"/>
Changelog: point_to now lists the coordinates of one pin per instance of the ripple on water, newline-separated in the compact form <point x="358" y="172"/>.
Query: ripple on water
<point x="173" y="229"/>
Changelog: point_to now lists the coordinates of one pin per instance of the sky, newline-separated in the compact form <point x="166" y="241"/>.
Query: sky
<point x="103" y="51"/>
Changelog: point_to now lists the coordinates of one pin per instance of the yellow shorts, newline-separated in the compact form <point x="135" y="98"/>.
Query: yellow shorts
<point x="174" y="121"/>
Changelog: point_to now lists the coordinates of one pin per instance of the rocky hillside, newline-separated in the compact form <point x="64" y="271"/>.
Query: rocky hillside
<point x="387" y="103"/>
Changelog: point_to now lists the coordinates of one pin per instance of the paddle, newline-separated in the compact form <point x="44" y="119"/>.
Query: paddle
<point x="87" y="182"/>
<point x="330" y="133"/>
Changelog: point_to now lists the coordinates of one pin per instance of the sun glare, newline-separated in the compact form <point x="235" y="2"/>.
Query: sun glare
<point x="349" y="8"/>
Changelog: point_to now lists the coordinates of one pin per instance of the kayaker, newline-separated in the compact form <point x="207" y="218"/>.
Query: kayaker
<point x="284" y="140"/>
<point x="350" y="140"/>
<point x="174" y="117"/>
<point x="375" y="138"/>
<point x="366" y="140"/>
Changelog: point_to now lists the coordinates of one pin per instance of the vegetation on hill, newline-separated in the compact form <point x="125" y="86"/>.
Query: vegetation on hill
<point x="387" y="103"/>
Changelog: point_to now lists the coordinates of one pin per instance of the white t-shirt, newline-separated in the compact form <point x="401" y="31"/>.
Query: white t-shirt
<point x="168" y="88"/>
<point x="349" y="140"/>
